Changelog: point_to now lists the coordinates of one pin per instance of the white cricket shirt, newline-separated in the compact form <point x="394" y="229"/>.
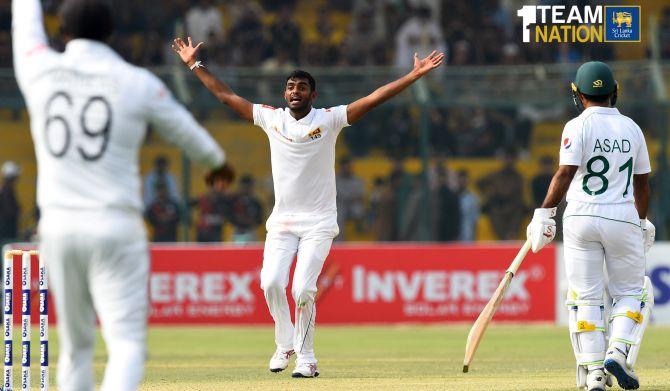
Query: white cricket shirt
<point x="303" y="157"/>
<point x="89" y="111"/>
<point x="609" y="148"/>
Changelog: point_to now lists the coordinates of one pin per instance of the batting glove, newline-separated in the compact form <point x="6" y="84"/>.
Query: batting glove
<point x="542" y="229"/>
<point x="649" y="233"/>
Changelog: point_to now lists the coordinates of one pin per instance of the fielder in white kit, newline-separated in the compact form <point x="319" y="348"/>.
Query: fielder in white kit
<point x="304" y="218"/>
<point x="604" y="168"/>
<point x="89" y="113"/>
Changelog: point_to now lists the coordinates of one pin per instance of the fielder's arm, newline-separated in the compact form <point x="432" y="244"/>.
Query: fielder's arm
<point x="29" y="38"/>
<point x="641" y="192"/>
<point x="360" y="107"/>
<point x="559" y="186"/>
<point x="187" y="52"/>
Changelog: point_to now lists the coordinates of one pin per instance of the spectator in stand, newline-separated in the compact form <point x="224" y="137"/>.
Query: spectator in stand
<point x="10" y="210"/>
<point x="153" y="50"/>
<point x="490" y="40"/>
<point x="387" y="223"/>
<point x="5" y="49"/>
<point x="285" y="34"/>
<point x="160" y="173"/>
<point x="504" y="203"/>
<point x="419" y="34"/>
<point x="163" y="215"/>
<point x="247" y="39"/>
<point x="435" y="7"/>
<point x="322" y="40"/>
<point x="375" y="200"/>
<point x="441" y="138"/>
<point x="6" y="17"/>
<point x="664" y="33"/>
<point x="361" y="42"/>
<point x="469" y="207"/>
<point x="247" y="212"/>
<point x="350" y="198"/>
<point x="462" y="53"/>
<point x="204" y="19"/>
<point x="397" y="139"/>
<point x="439" y="173"/>
<point x="540" y="183"/>
<point x="216" y="207"/>
<point x="448" y="211"/>
<point x="380" y="10"/>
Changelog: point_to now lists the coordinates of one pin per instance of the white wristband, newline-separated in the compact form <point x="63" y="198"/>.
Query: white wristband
<point x="198" y="64"/>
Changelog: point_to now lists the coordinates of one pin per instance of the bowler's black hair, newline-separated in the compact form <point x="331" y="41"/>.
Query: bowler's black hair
<point x="300" y="74"/>
<point x="88" y="19"/>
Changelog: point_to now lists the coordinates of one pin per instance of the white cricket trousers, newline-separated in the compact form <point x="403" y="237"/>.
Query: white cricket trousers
<point x="310" y="237"/>
<point x="98" y="263"/>
<point x="593" y="234"/>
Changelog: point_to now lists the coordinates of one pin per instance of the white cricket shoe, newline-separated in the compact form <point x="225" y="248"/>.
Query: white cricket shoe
<point x="596" y="380"/>
<point x="615" y="365"/>
<point x="280" y="359"/>
<point x="305" y="370"/>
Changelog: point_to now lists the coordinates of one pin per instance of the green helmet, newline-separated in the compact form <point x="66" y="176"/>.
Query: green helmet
<point x="595" y="78"/>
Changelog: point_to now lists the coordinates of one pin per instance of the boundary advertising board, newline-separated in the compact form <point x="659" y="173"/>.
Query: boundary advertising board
<point x="381" y="283"/>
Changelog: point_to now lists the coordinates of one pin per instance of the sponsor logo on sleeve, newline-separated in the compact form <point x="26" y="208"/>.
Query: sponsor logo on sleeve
<point x="567" y="143"/>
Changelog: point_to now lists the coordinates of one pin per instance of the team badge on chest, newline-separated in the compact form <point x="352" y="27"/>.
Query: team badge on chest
<point x="316" y="134"/>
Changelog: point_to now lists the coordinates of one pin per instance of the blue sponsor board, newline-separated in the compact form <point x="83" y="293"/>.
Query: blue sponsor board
<point x="25" y="354"/>
<point x="25" y="302"/>
<point x="660" y="278"/>
<point x="8" y="353"/>
<point x="623" y="23"/>
<point x="44" y="302"/>
<point x="44" y="353"/>
<point x="8" y="302"/>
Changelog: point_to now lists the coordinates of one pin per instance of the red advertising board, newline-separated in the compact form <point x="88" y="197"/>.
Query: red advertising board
<point x="380" y="283"/>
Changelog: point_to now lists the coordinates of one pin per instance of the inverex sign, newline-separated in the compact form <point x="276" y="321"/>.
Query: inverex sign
<point x="206" y="285"/>
<point x="441" y="283"/>
<point x="359" y="284"/>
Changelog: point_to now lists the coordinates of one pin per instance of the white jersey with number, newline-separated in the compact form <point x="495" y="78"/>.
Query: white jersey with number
<point x="609" y="148"/>
<point x="303" y="158"/>
<point x="89" y="112"/>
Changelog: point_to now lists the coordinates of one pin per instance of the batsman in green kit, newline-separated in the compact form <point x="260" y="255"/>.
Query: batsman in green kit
<point x="604" y="169"/>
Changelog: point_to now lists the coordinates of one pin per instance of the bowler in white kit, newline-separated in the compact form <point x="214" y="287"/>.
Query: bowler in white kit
<point x="604" y="169"/>
<point x="89" y="111"/>
<point x="304" y="219"/>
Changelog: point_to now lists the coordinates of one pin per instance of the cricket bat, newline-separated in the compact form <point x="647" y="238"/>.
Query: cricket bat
<point x="479" y="327"/>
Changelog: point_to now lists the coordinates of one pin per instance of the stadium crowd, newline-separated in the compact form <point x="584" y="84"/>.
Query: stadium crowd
<point x="282" y="35"/>
<point x="343" y="32"/>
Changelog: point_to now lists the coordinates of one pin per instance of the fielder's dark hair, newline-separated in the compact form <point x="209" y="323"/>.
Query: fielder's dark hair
<point x="300" y="74"/>
<point x="88" y="19"/>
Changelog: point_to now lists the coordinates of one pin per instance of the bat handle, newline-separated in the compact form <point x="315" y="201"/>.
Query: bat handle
<point x="519" y="258"/>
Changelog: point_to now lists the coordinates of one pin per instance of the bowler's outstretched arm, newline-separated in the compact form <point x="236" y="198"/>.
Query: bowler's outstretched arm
<point x="360" y="107"/>
<point x="221" y="90"/>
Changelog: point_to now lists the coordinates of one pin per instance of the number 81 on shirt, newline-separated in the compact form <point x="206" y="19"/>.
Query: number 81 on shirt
<point x="593" y="172"/>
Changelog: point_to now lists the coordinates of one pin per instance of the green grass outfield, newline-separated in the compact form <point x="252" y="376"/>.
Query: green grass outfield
<point x="511" y="357"/>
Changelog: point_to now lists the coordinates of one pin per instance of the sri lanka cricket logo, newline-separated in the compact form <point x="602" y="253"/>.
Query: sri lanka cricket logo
<point x="622" y="17"/>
